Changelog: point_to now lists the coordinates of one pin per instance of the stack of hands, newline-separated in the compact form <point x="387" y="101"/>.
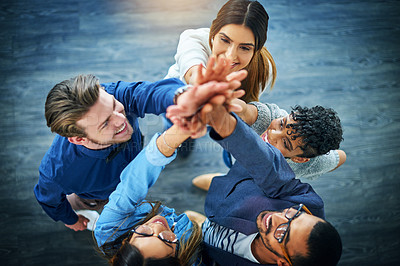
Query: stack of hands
<point x="209" y="100"/>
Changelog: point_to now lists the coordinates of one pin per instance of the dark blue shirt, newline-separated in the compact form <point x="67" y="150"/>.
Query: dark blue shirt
<point x="260" y="180"/>
<point x="68" y="168"/>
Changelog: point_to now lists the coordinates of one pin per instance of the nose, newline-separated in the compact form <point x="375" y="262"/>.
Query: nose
<point x="118" y="119"/>
<point x="231" y="53"/>
<point x="280" y="217"/>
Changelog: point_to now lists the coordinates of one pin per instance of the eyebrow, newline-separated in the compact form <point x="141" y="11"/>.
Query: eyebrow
<point x="290" y="148"/>
<point x="226" y="36"/>
<point x="101" y="126"/>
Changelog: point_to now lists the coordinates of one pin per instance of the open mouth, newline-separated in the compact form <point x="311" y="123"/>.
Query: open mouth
<point x="161" y="221"/>
<point x="121" y="129"/>
<point x="264" y="137"/>
<point x="234" y="65"/>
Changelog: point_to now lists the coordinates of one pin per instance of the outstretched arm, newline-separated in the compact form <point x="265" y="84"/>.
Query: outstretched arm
<point x="248" y="113"/>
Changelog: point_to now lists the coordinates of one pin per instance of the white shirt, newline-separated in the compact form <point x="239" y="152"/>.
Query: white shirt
<point x="193" y="49"/>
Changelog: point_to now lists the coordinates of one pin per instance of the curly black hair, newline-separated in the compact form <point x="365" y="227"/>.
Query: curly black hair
<point x="319" y="128"/>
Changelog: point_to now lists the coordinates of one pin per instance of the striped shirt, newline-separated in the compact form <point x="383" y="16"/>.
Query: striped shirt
<point x="228" y="240"/>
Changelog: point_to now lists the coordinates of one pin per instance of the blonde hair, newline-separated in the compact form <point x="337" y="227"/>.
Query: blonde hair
<point x="252" y="15"/>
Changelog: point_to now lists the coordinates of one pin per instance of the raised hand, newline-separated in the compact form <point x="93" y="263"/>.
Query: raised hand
<point x="217" y="70"/>
<point x="196" y="124"/>
<point x="186" y="110"/>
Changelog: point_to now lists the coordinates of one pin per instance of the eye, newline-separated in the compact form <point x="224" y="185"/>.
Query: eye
<point x="224" y="40"/>
<point x="104" y="125"/>
<point x="281" y="123"/>
<point x="245" y="48"/>
<point x="285" y="143"/>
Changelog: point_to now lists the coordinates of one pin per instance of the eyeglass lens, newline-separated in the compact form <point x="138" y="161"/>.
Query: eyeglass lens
<point x="164" y="235"/>
<point x="292" y="212"/>
<point x="282" y="228"/>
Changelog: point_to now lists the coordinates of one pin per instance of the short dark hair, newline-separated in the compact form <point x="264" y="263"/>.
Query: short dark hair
<point x="324" y="247"/>
<point x="319" y="127"/>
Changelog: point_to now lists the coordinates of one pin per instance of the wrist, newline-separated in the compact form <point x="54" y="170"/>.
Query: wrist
<point x="180" y="91"/>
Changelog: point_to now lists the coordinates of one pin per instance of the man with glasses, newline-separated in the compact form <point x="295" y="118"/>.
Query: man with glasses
<point x="257" y="213"/>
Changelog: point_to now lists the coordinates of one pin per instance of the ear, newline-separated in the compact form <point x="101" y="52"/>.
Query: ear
<point x="78" y="140"/>
<point x="282" y="262"/>
<point x="300" y="159"/>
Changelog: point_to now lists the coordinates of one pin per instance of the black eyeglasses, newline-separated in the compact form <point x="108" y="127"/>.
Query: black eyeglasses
<point x="282" y="229"/>
<point x="165" y="236"/>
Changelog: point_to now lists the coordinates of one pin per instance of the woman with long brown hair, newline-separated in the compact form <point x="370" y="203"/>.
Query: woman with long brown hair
<point x="238" y="33"/>
<point x="133" y="231"/>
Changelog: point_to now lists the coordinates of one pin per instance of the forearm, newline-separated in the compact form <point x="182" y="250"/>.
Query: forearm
<point x="263" y="162"/>
<point x="249" y="112"/>
<point x="222" y="122"/>
<point x="55" y="207"/>
<point x="170" y="140"/>
<point x="191" y="75"/>
<point x="141" y="98"/>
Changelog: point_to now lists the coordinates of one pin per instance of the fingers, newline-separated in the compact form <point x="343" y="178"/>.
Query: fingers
<point x="221" y="68"/>
<point x="200" y="79"/>
<point x="217" y="100"/>
<point x="238" y="75"/>
<point x="234" y="84"/>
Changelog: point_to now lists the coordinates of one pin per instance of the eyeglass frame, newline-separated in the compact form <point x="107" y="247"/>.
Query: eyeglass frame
<point x="280" y="239"/>
<point x="176" y="241"/>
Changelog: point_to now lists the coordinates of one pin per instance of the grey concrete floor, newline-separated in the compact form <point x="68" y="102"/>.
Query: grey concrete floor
<point x="341" y="54"/>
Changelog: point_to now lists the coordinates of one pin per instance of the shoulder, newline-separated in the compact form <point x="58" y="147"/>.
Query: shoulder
<point x="266" y="112"/>
<point x="59" y="156"/>
<point x="316" y="166"/>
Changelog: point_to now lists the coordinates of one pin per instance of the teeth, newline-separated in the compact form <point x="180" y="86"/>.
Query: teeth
<point x="265" y="138"/>
<point x="122" y="128"/>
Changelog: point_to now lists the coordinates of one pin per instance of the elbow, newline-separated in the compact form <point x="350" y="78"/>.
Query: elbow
<point x="342" y="157"/>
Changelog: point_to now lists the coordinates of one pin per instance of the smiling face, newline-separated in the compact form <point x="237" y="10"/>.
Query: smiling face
<point x="153" y="247"/>
<point x="235" y="42"/>
<point x="280" y="137"/>
<point x="105" y="123"/>
<point x="295" y="240"/>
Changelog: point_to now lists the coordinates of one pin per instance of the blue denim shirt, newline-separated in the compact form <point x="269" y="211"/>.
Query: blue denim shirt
<point x="125" y="207"/>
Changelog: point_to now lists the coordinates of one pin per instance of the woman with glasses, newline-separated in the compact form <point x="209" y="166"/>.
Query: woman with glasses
<point x="133" y="231"/>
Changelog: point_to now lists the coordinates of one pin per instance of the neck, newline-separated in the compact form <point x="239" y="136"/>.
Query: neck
<point x="96" y="146"/>
<point x="261" y="253"/>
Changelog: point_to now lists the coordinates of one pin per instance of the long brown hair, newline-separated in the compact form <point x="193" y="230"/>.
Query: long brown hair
<point x="121" y="252"/>
<point x="252" y="15"/>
